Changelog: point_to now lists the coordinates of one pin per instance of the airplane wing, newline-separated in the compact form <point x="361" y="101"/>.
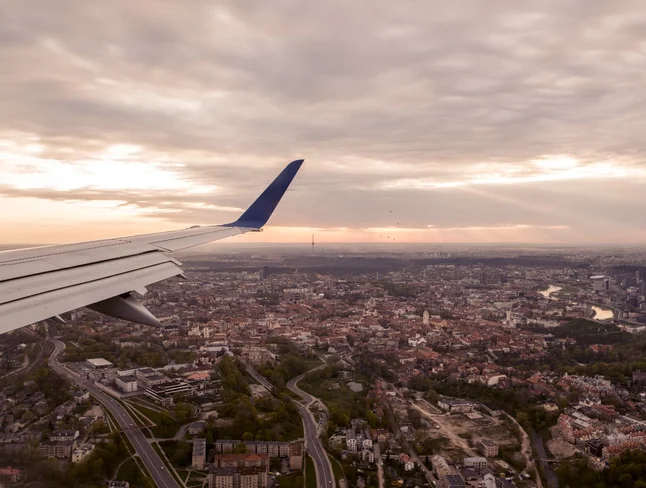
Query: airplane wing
<point x="43" y="282"/>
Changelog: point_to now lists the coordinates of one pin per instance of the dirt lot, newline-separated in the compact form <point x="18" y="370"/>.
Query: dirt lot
<point x="558" y="447"/>
<point x="464" y="433"/>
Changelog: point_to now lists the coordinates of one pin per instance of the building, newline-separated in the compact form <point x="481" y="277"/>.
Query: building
<point x="440" y="466"/>
<point x="197" y="427"/>
<point x="221" y="477"/>
<point x="600" y="283"/>
<point x="257" y="356"/>
<point x="368" y="456"/>
<point x="164" y="393"/>
<point x="10" y="475"/>
<point x="239" y="471"/>
<point x="351" y="440"/>
<point x="81" y="396"/>
<point x="199" y="453"/>
<point x="118" y="484"/>
<point x="453" y="405"/>
<point x="99" y="363"/>
<point x="225" y="446"/>
<point x="81" y="452"/>
<point x="594" y="447"/>
<point x="405" y="459"/>
<point x="126" y="384"/>
<point x="64" y="435"/>
<point x="273" y="448"/>
<point x="264" y="272"/>
<point x="242" y="460"/>
<point x="504" y="483"/>
<point x="489" y="481"/>
<point x="639" y="377"/>
<point x="488" y="448"/>
<point x="451" y="481"/>
<point x="296" y="455"/>
<point x="149" y="377"/>
<point x="60" y="450"/>
<point x="475" y="463"/>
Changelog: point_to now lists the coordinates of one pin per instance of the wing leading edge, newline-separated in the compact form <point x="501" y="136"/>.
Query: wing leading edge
<point x="40" y="283"/>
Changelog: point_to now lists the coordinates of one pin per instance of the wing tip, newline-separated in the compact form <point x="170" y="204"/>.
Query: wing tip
<point x="259" y="212"/>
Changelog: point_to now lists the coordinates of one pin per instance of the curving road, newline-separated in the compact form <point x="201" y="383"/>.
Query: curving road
<point x="151" y="460"/>
<point x="322" y="466"/>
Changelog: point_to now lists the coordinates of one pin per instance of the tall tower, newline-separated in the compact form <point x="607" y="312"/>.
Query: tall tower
<point x="312" y="243"/>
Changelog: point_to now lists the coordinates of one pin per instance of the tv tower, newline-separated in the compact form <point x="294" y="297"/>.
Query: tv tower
<point x="312" y="243"/>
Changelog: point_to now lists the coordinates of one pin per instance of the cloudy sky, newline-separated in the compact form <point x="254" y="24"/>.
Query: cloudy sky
<point x="470" y="121"/>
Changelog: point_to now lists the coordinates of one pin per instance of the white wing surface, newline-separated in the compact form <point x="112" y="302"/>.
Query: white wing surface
<point x="43" y="282"/>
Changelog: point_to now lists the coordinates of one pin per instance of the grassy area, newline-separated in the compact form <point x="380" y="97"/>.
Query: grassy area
<point x="170" y="469"/>
<point x="147" y="412"/>
<point x="310" y="474"/>
<point x="135" y="414"/>
<point x="133" y="474"/>
<point x="567" y="291"/>
<point x="180" y="453"/>
<point x="336" y="468"/>
<point x="293" y="480"/>
<point x="334" y="392"/>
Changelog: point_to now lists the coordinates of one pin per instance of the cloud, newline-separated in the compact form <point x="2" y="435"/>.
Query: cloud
<point x="460" y="115"/>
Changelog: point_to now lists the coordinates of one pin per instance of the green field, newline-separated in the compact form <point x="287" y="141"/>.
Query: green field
<point x="293" y="480"/>
<point x="336" y="468"/>
<point x="310" y="474"/>
<point x="567" y="291"/>
<point x="132" y="473"/>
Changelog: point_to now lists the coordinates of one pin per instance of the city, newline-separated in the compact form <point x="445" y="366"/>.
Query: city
<point x="333" y="244"/>
<point x="445" y="368"/>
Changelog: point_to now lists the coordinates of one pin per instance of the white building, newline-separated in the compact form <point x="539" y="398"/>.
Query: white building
<point x="451" y="405"/>
<point x="199" y="453"/>
<point x="64" y="435"/>
<point x="600" y="282"/>
<point x="81" y="452"/>
<point x="417" y="341"/>
<point x="126" y="384"/>
<point x="489" y="481"/>
<point x="368" y="455"/>
<point x="440" y="466"/>
<point x="475" y="462"/>
<point x="351" y="440"/>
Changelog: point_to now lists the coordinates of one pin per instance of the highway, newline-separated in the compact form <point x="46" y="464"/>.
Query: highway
<point x="322" y="466"/>
<point x="324" y="473"/>
<point x="151" y="460"/>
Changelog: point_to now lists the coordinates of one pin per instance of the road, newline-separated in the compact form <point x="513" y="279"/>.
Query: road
<point x="44" y="348"/>
<point x="322" y="466"/>
<point x="24" y="366"/>
<point x="380" y="465"/>
<point x="151" y="460"/>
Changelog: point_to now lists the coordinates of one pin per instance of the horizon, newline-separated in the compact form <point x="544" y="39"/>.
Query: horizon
<point x="448" y="123"/>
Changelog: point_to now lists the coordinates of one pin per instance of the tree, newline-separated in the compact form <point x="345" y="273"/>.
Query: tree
<point x="247" y="436"/>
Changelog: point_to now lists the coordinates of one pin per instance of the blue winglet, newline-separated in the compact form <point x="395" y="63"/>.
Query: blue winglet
<point x="259" y="212"/>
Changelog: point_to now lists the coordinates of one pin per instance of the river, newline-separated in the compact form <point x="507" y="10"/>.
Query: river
<point x="539" y="449"/>
<point x="600" y="313"/>
<point x="552" y="289"/>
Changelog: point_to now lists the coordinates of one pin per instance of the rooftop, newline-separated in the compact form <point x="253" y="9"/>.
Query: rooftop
<point x="99" y="362"/>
